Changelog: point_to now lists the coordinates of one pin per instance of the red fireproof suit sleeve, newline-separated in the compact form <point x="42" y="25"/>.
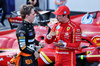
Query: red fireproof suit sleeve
<point x="49" y="41"/>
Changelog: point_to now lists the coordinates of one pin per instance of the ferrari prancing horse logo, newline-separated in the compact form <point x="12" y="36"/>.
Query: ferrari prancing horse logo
<point x="68" y="28"/>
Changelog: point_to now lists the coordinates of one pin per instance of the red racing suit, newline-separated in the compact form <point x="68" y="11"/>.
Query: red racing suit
<point x="70" y="34"/>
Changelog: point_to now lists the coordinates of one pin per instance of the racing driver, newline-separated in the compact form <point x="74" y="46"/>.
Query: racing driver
<point x="66" y="36"/>
<point x="26" y="38"/>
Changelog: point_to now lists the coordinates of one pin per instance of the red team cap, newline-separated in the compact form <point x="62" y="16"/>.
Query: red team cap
<point x="62" y="10"/>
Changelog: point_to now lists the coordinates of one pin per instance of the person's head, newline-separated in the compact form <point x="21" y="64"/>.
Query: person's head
<point x="27" y="13"/>
<point x="62" y="13"/>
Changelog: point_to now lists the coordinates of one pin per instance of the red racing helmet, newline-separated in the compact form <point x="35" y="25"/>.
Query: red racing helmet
<point x="62" y="10"/>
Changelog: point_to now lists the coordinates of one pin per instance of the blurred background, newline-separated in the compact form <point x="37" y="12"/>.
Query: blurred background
<point x="75" y="6"/>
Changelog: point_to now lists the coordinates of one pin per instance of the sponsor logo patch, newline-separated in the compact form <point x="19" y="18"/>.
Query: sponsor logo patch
<point x="58" y="27"/>
<point x="22" y="37"/>
<point x="31" y="33"/>
<point x="68" y="28"/>
<point x="21" y="34"/>
<point x="22" y="40"/>
<point x="31" y="40"/>
<point x="86" y="20"/>
<point x="28" y="61"/>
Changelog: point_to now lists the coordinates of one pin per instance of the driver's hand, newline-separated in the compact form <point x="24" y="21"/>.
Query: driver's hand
<point x="42" y="43"/>
<point x="58" y="44"/>
<point x="51" y="34"/>
<point x="37" y="55"/>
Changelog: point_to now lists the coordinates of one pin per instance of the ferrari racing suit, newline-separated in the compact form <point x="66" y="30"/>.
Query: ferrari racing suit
<point x="70" y="35"/>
